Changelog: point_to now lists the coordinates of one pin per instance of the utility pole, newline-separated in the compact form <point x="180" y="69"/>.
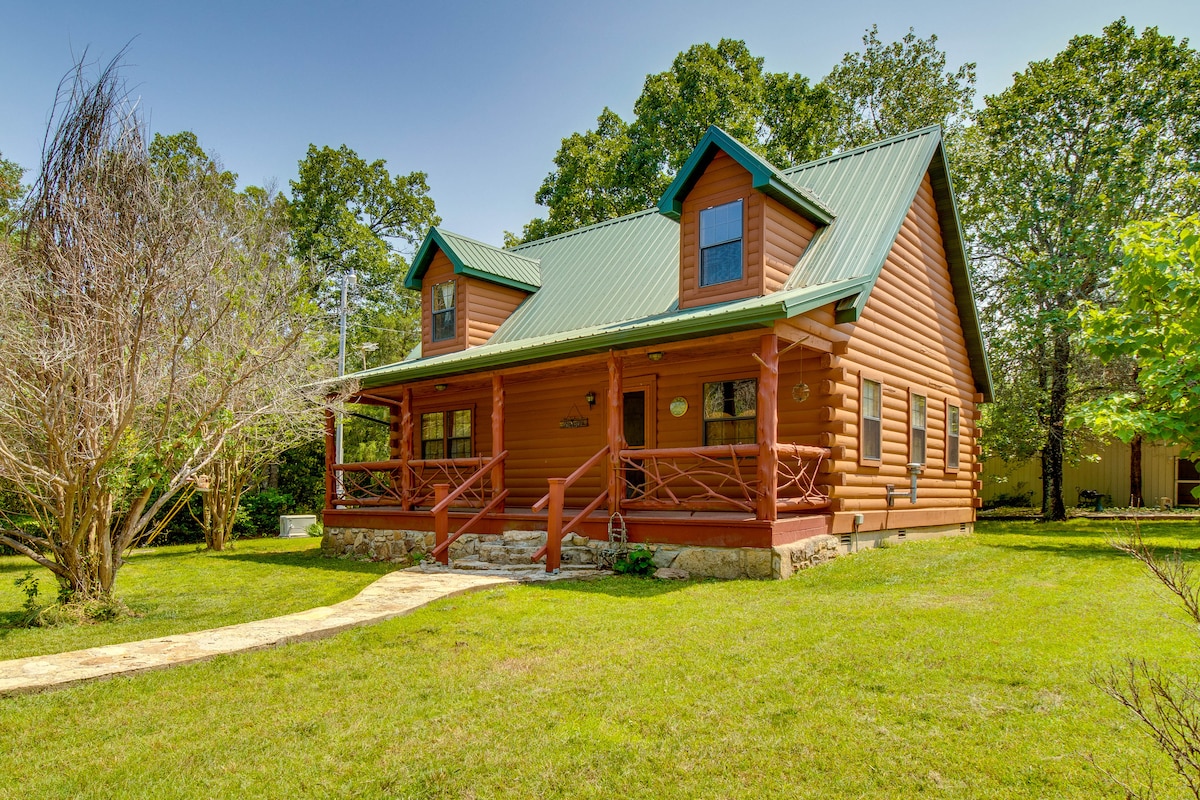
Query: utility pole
<point x="349" y="280"/>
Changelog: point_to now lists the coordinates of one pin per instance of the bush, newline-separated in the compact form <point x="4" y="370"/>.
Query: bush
<point x="638" y="561"/>
<point x="259" y="512"/>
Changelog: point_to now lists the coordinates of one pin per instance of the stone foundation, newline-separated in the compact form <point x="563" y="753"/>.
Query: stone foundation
<point x="514" y="548"/>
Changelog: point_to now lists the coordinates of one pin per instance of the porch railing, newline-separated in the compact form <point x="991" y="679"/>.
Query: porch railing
<point x="384" y="483"/>
<point x="445" y="497"/>
<point x="556" y="499"/>
<point x="719" y="478"/>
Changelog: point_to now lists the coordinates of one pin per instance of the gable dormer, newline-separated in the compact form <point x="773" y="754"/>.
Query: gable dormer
<point x="468" y="289"/>
<point x="742" y="224"/>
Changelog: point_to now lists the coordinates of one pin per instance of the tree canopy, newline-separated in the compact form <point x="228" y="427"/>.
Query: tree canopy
<point x="1152" y="315"/>
<point x="1080" y="144"/>
<point x="622" y="167"/>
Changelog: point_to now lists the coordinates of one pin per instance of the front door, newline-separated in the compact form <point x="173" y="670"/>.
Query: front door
<point x="635" y="438"/>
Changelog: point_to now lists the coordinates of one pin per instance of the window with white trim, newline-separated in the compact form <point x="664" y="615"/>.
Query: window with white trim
<point x="872" y="420"/>
<point x="721" y="244"/>
<point x="917" y="428"/>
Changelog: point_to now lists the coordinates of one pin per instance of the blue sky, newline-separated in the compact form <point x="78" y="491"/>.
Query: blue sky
<point x="476" y="94"/>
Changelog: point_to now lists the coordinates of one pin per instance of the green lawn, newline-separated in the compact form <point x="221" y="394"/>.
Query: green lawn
<point x="956" y="668"/>
<point x="180" y="588"/>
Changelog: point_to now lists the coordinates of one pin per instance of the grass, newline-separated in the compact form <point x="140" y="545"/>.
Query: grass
<point x="956" y="668"/>
<point x="180" y="588"/>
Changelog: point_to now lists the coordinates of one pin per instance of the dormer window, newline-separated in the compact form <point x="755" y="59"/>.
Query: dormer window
<point x="721" y="244"/>
<point x="444" y="324"/>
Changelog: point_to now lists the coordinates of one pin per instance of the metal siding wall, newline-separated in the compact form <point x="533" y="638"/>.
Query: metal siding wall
<point x="1108" y="472"/>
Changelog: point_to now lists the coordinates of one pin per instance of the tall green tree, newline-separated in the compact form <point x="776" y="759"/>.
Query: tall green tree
<point x="889" y="89"/>
<point x="352" y="215"/>
<point x="621" y="167"/>
<point x="1105" y="132"/>
<point x="1152" y="316"/>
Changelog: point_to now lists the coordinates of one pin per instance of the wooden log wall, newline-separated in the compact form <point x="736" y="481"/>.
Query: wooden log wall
<point x="486" y="306"/>
<point x="909" y="339"/>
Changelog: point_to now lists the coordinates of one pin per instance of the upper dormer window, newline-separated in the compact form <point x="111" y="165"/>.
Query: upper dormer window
<point x="721" y="244"/>
<point x="444" y="324"/>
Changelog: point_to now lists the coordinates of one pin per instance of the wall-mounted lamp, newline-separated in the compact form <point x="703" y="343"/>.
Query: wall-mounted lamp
<point x="439" y="387"/>
<point x="657" y="355"/>
<point x="590" y="397"/>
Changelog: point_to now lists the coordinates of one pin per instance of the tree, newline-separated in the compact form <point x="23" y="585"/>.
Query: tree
<point x="619" y="167"/>
<point x="1153" y="316"/>
<point x="144" y="322"/>
<point x="348" y="215"/>
<point x="891" y="89"/>
<point x="1103" y="133"/>
<point x="10" y="193"/>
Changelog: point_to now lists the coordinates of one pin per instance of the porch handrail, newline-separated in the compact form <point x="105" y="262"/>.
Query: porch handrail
<point x="458" y="492"/>
<point x="711" y="450"/>
<point x="444" y="546"/>
<point x="574" y="476"/>
<point x="575" y="520"/>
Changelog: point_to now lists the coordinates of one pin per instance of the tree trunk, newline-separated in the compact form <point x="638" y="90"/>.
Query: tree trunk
<point x="1135" y="472"/>
<point x="1052" y="455"/>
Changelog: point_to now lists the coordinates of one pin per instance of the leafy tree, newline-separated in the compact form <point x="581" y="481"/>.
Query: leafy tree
<point x="619" y="167"/>
<point x="348" y="215"/>
<point x="1153" y="317"/>
<point x="10" y="192"/>
<point x="145" y="321"/>
<point x="890" y="89"/>
<point x="1105" y="132"/>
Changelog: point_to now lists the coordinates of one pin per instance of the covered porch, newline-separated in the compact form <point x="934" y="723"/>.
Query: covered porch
<point x="757" y="495"/>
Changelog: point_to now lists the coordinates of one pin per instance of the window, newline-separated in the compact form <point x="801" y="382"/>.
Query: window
<point x="721" y="244"/>
<point x="916" y="438"/>
<point x="871" y="438"/>
<point x="730" y="412"/>
<point x="446" y="434"/>
<point x="444" y="323"/>
<point x="952" y="440"/>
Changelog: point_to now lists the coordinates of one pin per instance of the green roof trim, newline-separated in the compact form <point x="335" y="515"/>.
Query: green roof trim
<point x="477" y="259"/>
<point x="764" y="178"/>
<point x="673" y="326"/>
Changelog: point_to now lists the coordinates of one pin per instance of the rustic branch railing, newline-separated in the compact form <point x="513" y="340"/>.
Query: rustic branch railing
<point x="556" y="498"/>
<point x="445" y="497"/>
<point x="719" y="477"/>
<point x="380" y="483"/>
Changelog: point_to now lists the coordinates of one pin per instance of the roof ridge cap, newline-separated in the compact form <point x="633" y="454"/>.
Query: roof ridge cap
<point x="574" y="231"/>
<point x="891" y="140"/>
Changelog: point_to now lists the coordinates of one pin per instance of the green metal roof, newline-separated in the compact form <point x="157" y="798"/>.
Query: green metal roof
<point x="764" y="177"/>
<point x="616" y="283"/>
<point x="477" y="259"/>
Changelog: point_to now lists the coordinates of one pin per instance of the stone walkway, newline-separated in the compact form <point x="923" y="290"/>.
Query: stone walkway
<point x="392" y="595"/>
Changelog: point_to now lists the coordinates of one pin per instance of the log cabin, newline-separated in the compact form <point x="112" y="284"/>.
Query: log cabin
<point x="772" y="366"/>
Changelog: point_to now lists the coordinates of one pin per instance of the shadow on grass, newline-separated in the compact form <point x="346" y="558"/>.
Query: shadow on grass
<point x="1091" y="538"/>
<point x="617" y="586"/>
<point x="313" y="559"/>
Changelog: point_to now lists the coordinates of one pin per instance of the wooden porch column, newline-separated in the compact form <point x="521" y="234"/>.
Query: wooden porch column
<point x="406" y="449"/>
<point x="498" y="436"/>
<point x="768" y="428"/>
<point x="330" y="446"/>
<point x="441" y="522"/>
<point x="554" y="524"/>
<point x="615" y="432"/>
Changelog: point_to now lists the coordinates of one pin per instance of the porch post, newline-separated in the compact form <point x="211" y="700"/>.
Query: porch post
<point x="615" y="431"/>
<point x="554" y="524"/>
<point x="330" y="447"/>
<point x="768" y="428"/>
<point x="406" y="449"/>
<point x="498" y="436"/>
<point x="441" y="521"/>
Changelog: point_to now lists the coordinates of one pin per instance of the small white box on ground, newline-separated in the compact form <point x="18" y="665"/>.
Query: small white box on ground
<point x="295" y="525"/>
